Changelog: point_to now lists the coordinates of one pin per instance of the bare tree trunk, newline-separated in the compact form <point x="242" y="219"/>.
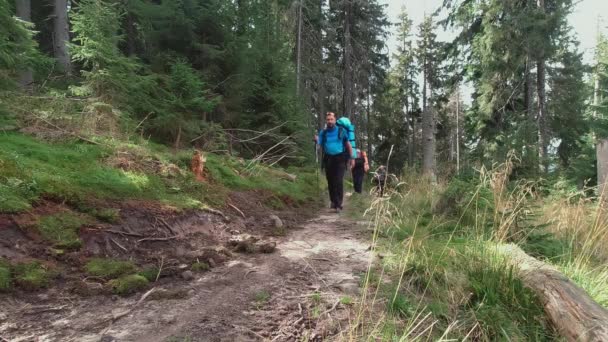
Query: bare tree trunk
<point x="543" y="139"/>
<point x="348" y="72"/>
<point x="412" y="148"/>
<point x="24" y="12"/>
<point x="178" y="138"/>
<point x="61" y="36"/>
<point x="601" y="148"/>
<point x="299" y="49"/>
<point x="131" y="35"/>
<point x="531" y="136"/>
<point x="428" y="128"/>
<point x="369" y="123"/>
<point x="601" y="151"/>
<point x="407" y="109"/>
<point x="321" y="96"/>
<point x="458" y="130"/>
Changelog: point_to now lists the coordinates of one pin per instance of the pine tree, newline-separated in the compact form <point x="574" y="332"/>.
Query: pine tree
<point x="428" y="54"/>
<point x="407" y="73"/>
<point x="18" y="50"/>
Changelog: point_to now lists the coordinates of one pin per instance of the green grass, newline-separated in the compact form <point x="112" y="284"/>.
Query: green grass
<point x="436" y="271"/>
<point x="260" y="298"/>
<point x="61" y="229"/>
<point x="5" y="275"/>
<point x="128" y="284"/>
<point x="32" y="275"/>
<point x="346" y="300"/>
<point x="75" y="172"/>
<point x="109" y="268"/>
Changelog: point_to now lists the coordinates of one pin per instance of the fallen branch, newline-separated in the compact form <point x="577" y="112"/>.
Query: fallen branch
<point x="573" y="313"/>
<point x="237" y="209"/>
<point x="119" y="245"/>
<point x="124" y="313"/>
<point x="215" y="212"/>
<point x="249" y="331"/>
<point x="118" y="232"/>
<point x="171" y="230"/>
<point x="40" y="309"/>
<point x="68" y="132"/>
<point x="321" y="259"/>
<point x="142" y="121"/>
<point x="159" y="239"/>
<point x="331" y="309"/>
<point x="248" y="272"/>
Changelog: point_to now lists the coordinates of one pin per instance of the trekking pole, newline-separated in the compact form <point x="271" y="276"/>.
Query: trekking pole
<point x="316" y="147"/>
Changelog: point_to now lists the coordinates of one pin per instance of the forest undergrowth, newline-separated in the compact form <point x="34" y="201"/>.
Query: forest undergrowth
<point x="440" y="275"/>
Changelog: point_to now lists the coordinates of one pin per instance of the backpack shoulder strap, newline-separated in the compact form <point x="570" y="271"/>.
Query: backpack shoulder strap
<point x="323" y="135"/>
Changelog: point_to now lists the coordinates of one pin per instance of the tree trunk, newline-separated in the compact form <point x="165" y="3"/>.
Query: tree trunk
<point x="601" y="151"/>
<point x="348" y="74"/>
<point x="412" y="149"/>
<point x="24" y="12"/>
<point x="428" y="129"/>
<point x="61" y="36"/>
<point x="178" y="138"/>
<point x="458" y="130"/>
<point x="569" y="308"/>
<point x="543" y="139"/>
<point x="369" y="123"/>
<point x="531" y="137"/>
<point x="131" y="34"/>
<point x="299" y="49"/>
<point x="321" y="117"/>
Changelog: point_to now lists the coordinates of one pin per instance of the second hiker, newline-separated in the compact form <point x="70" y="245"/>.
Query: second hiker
<point x="359" y="170"/>
<point x="337" y="152"/>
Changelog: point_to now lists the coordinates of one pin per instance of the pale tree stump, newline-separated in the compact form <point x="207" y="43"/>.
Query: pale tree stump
<point x="198" y="165"/>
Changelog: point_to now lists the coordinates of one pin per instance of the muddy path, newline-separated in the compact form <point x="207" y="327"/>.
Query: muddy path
<point x="301" y="292"/>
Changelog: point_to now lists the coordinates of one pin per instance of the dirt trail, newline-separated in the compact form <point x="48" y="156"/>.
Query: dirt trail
<point x="251" y="298"/>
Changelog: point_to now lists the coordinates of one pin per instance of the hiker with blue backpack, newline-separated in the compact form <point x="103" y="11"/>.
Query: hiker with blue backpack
<point x="337" y="143"/>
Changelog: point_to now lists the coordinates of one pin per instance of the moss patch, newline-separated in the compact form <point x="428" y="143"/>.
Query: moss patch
<point x="149" y="273"/>
<point x="62" y="230"/>
<point x="5" y="275"/>
<point x="109" y="268"/>
<point x="199" y="267"/>
<point x="33" y="275"/>
<point x="128" y="284"/>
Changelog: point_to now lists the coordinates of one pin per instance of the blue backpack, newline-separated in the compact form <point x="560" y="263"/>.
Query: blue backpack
<point x="345" y="124"/>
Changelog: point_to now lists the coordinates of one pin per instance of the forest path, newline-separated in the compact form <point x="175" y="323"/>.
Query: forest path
<point x="298" y="293"/>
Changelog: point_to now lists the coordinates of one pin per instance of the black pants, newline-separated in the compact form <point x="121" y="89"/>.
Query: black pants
<point x="358" y="176"/>
<point x="335" y="166"/>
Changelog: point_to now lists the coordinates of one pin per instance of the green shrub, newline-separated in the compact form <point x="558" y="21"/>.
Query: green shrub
<point x="109" y="268"/>
<point x="128" y="284"/>
<point x="400" y="305"/>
